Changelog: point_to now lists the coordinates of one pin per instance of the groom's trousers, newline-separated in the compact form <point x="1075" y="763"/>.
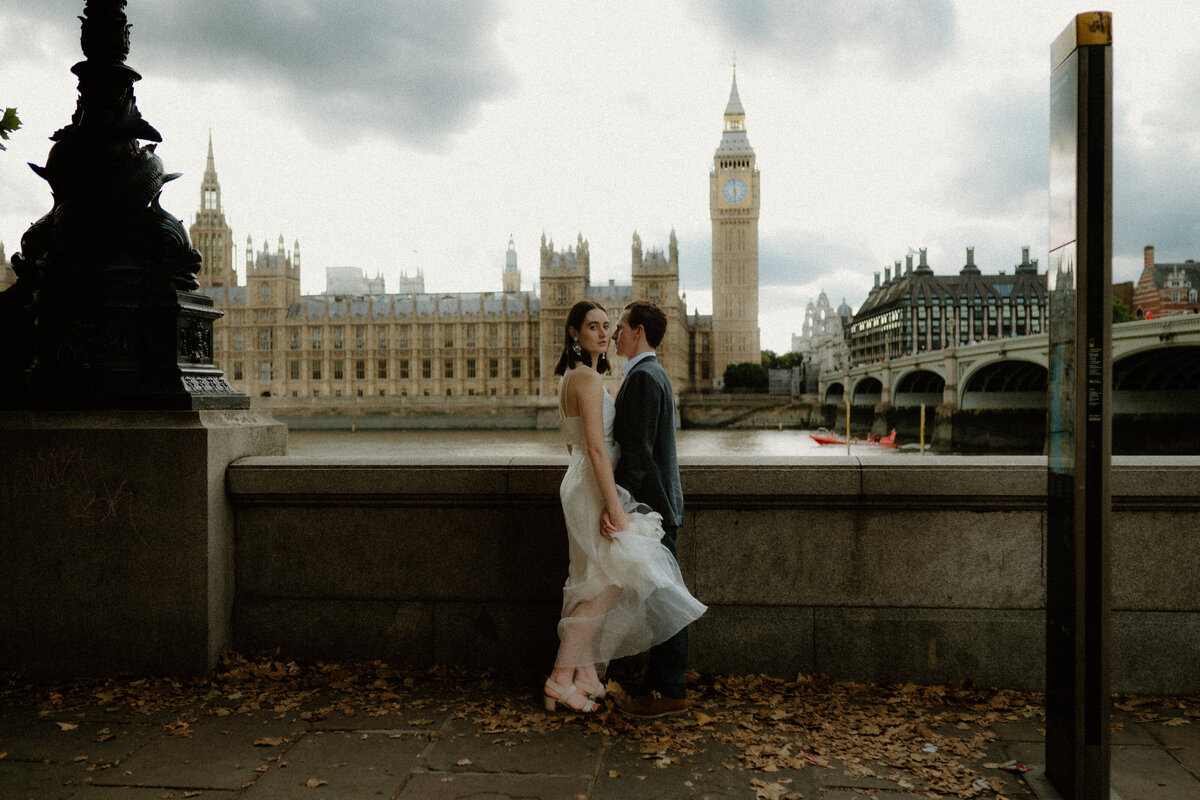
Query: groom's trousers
<point x="668" y="661"/>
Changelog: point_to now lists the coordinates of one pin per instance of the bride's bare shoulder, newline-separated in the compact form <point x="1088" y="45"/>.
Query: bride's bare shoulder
<point x="584" y="380"/>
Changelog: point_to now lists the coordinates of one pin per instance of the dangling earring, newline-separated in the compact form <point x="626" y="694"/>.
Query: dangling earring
<point x="578" y="350"/>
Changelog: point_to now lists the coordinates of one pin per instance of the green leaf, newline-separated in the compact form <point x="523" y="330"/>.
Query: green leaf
<point x="8" y="123"/>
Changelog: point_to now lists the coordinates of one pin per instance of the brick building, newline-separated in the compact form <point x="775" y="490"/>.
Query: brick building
<point x="1166" y="290"/>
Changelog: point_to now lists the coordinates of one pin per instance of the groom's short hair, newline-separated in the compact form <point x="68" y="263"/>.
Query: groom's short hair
<point x="651" y="317"/>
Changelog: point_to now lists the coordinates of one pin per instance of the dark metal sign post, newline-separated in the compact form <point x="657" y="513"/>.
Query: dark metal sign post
<point x="1080" y="421"/>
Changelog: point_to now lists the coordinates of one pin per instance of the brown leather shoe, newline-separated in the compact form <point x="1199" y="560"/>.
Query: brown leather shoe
<point x="651" y="705"/>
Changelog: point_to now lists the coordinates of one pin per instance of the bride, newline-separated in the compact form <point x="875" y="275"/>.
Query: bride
<point x="624" y="592"/>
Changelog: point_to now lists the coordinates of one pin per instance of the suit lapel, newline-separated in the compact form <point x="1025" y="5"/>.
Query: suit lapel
<point x="636" y="366"/>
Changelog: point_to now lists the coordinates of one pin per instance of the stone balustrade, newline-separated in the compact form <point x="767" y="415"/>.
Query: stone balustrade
<point x="918" y="569"/>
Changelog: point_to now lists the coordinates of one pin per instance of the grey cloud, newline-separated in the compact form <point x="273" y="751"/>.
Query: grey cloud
<point x="416" y="71"/>
<point x="908" y="38"/>
<point x="784" y="259"/>
<point x="1156" y="198"/>
<point x="1155" y="201"/>
<point x="1009" y="159"/>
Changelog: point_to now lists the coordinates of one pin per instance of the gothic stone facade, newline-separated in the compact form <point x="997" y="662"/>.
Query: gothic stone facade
<point x="273" y="341"/>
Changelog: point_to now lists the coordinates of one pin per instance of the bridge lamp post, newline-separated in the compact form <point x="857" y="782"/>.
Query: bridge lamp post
<point x="105" y="313"/>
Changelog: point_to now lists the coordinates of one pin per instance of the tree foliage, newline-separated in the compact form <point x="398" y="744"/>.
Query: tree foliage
<point x="1121" y="312"/>
<point x="746" y="376"/>
<point x="786" y="361"/>
<point x="9" y="122"/>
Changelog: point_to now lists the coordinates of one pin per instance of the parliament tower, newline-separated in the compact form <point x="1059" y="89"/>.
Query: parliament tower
<point x="210" y="234"/>
<point x="733" y="203"/>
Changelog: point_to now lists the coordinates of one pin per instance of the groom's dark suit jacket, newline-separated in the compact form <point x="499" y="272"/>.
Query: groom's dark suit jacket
<point x="645" y="429"/>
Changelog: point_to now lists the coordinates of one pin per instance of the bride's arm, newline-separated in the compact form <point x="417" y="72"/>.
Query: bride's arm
<point x="590" y="396"/>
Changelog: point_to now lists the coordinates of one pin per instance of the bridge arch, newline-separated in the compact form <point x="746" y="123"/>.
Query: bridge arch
<point x="868" y="391"/>
<point x="1157" y="380"/>
<point x="920" y="386"/>
<point x="1010" y="383"/>
<point x="835" y="394"/>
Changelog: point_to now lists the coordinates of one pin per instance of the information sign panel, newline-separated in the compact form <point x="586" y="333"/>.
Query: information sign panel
<point x="1079" y="426"/>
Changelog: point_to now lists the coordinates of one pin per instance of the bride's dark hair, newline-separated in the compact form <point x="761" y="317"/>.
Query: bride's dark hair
<point x="569" y="357"/>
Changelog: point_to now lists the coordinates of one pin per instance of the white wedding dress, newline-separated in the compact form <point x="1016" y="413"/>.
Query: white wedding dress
<point x="639" y="597"/>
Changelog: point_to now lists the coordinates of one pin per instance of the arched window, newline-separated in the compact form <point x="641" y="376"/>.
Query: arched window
<point x="265" y="293"/>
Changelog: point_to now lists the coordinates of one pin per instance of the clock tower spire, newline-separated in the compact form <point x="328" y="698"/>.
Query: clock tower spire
<point x="733" y="202"/>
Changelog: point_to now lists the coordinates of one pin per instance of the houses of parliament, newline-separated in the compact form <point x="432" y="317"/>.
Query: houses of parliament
<point x="356" y="340"/>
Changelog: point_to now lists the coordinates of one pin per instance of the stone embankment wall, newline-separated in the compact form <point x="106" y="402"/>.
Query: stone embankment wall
<point x="748" y="411"/>
<point x="522" y="413"/>
<point x="412" y="413"/>
<point x="921" y="570"/>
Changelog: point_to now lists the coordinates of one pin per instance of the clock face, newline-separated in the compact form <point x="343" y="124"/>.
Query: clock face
<point x="734" y="190"/>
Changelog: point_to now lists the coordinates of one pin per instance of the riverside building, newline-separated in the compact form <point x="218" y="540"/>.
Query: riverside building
<point x="1166" y="290"/>
<point x="358" y="340"/>
<point x="7" y="276"/>
<point x="917" y="310"/>
<point x="824" y="339"/>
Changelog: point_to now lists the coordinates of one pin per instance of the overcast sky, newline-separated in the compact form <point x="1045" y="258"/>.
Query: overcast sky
<point x="397" y="136"/>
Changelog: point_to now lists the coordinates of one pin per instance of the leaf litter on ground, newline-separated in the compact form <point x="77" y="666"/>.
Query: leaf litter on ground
<point x="929" y="739"/>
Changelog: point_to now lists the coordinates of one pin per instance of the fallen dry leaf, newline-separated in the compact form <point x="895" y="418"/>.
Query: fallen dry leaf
<point x="768" y="791"/>
<point x="66" y="726"/>
<point x="268" y="741"/>
<point x="313" y="783"/>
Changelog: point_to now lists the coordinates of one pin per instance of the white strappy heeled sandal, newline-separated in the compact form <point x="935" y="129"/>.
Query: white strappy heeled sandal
<point x="594" y="692"/>
<point x="559" y="698"/>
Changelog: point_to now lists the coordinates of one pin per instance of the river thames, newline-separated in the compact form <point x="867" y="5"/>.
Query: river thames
<point x="690" y="442"/>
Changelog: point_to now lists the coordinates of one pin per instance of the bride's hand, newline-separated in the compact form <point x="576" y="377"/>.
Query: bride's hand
<point x="613" y="523"/>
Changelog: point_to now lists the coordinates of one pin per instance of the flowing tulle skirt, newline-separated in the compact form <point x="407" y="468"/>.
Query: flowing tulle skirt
<point x="621" y="596"/>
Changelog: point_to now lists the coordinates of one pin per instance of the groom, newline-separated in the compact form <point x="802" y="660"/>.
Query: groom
<point x="648" y="469"/>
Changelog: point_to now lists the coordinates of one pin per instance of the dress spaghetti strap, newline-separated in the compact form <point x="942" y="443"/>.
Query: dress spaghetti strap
<point x="562" y="394"/>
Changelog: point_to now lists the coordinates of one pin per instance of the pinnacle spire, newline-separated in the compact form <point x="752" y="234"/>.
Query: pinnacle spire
<point x="734" y="107"/>
<point x="210" y="169"/>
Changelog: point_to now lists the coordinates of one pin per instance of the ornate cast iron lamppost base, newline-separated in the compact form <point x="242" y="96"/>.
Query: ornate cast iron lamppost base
<point x="105" y="313"/>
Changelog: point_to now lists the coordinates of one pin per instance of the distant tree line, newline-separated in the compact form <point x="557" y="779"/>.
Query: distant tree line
<point x="750" y="377"/>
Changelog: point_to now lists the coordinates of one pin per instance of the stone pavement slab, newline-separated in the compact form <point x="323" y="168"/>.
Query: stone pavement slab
<point x="45" y="739"/>
<point x="39" y="780"/>
<point x="1147" y="773"/>
<point x="217" y="752"/>
<point x="145" y="793"/>
<point x="627" y="772"/>
<point x="493" y="786"/>
<point x="324" y="765"/>
<point x="1138" y="773"/>
<point x="566" y="751"/>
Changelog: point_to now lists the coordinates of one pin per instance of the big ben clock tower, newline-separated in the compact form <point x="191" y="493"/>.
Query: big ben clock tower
<point x="733" y="204"/>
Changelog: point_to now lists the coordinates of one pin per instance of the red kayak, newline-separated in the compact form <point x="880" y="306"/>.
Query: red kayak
<point x="826" y="437"/>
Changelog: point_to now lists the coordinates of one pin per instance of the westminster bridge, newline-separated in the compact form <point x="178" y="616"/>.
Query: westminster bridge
<point x="1156" y="366"/>
<point x="1156" y="380"/>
